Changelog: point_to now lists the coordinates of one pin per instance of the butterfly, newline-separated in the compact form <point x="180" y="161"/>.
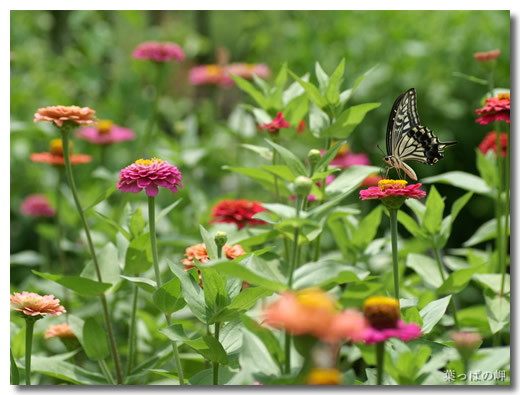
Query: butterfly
<point x="407" y="139"/>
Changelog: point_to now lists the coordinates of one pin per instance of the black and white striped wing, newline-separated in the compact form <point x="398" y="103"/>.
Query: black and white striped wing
<point x="403" y="118"/>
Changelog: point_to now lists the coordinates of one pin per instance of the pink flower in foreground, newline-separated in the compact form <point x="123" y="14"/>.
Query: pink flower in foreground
<point x="62" y="331"/>
<point x="37" y="206"/>
<point x="105" y="133"/>
<point x="392" y="193"/>
<point x="60" y="114"/>
<point x="30" y="303"/>
<point x="383" y="316"/>
<point x="159" y="51"/>
<point x="149" y="174"/>
<point x="276" y="124"/>
<point x="495" y="109"/>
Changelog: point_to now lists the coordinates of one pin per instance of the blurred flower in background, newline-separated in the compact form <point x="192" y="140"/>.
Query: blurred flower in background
<point x="490" y="143"/>
<point x="63" y="331"/>
<point x="276" y="124"/>
<point x="159" y="52"/>
<point x="37" y="206"/>
<point x="55" y="156"/>
<point x="214" y="74"/>
<point x="106" y="132"/>
<point x="238" y="211"/>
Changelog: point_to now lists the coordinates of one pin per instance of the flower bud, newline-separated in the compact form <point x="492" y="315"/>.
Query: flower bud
<point x="302" y="185"/>
<point x="314" y="156"/>
<point x="220" y="239"/>
<point x="466" y="342"/>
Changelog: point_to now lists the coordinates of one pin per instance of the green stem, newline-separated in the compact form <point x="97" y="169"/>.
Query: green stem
<point x="106" y="371"/>
<point x="132" y="341"/>
<point x="276" y="189"/>
<point x="500" y="172"/>
<point x="288" y="339"/>
<point x="465" y="362"/>
<point x="380" y="360"/>
<point x="216" y="364"/>
<point x="295" y="243"/>
<point x="59" y="237"/>
<point x="395" y="251"/>
<point x="443" y="277"/>
<point x="15" y="375"/>
<point x="29" y="329"/>
<point x="506" y="227"/>
<point x="72" y="185"/>
<point x="155" y="256"/>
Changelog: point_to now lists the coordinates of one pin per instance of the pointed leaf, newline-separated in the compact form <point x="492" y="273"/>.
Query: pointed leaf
<point x="349" y="119"/>
<point x="169" y="298"/>
<point x="247" y="87"/>
<point x="433" y="312"/>
<point x="296" y="166"/>
<point x="95" y="341"/>
<point x="138" y="257"/>
<point x="81" y="285"/>
<point x="312" y="91"/>
<point x="335" y="82"/>
<point x="209" y="240"/>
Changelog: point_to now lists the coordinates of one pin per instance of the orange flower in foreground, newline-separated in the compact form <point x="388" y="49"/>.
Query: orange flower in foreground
<point x="60" y="114"/>
<point x="55" y="156"/>
<point x="62" y="331"/>
<point x="30" y="303"/>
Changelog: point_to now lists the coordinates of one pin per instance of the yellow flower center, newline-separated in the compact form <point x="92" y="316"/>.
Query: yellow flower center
<point x="147" y="162"/>
<point x="504" y="96"/>
<point x="345" y="148"/>
<point x="391" y="184"/>
<point x="317" y="299"/>
<point x="104" y="126"/>
<point x="382" y="312"/>
<point x="324" y="377"/>
<point x="57" y="147"/>
<point x="213" y="70"/>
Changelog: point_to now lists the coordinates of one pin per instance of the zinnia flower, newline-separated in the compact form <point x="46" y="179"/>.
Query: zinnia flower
<point x="62" y="331"/>
<point x="324" y="377"/>
<point x="346" y="158"/>
<point x="37" y="206"/>
<point x="159" y="51"/>
<point x="60" y="114"/>
<point x="239" y="212"/>
<point x="149" y="174"/>
<point x="392" y="193"/>
<point x="55" y="156"/>
<point x="348" y="325"/>
<point x="385" y="321"/>
<point x="30" y="303"/>
<point x="213" y="74"/>
<point x="495" y="109"/>
<point x="486" y="56"/>
<point x="105" y="133"/>
<point x="490" y="143"/>
<point x="301" y="127"/>
<point x="466" y="340"/>
<point x="276" y="124"/>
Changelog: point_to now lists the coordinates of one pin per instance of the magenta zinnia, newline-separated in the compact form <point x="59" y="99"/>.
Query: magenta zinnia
<point x="105" y="133"/>
<point x="30" y="303"/>
<point x="495" y="109"/>
<point x="158" y="51"/>
<point x="149" y="174"/>
<point x="37" y="206"/>
<point x="392" y="193"/>
<point x="276" y="124"/>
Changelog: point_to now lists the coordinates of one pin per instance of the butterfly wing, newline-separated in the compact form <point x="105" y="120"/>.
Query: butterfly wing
<point x="403" y="118"/>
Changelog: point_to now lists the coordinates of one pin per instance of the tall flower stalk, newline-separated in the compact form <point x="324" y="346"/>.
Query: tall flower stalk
<point x="507" y="198"/>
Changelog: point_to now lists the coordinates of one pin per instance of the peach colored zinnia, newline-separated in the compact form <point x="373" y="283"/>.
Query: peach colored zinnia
<point x="60" y="114"/>
<point x="159" y="51"/>
<point x="37" y="206"/>
<point x="105" y="133"/>
<point x="32" y="304"/>
<point x="62" y="331"/>
<point x="55" y="156"/>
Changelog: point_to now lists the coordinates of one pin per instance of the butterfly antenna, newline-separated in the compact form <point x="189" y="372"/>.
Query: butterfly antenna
<point x="383" y="152"/>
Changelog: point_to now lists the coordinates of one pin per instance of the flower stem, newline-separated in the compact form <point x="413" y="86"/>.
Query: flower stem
<point x="155" y="256"/>
<point x="395" y="254"/>
<point x="380" y="360"/>
<point x="106" y="371"/>
<point x="59" y="236"/>
<point x="15" y="375"/>
<point x="72" y="185"/>
<point x="216" y="364"/>
<point x="323" y="185"/>
<point x="287" y="366"/>
<point x="500" y="172"/>
<point x="276" y="189"/>
<point x="29" y="329"/>
<point x="452" y="299"/>
<point x="132" y="335"/>
<point x="506" y="227"/>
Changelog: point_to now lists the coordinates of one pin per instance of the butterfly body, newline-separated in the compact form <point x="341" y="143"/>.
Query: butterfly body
<point x="407" y="139"/>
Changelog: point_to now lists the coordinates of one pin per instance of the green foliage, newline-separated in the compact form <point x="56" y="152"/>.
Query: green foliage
<point x="95" y="341"/>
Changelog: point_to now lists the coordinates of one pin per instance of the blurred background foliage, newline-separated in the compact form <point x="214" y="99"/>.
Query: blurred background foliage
<point x="84" y="58"/>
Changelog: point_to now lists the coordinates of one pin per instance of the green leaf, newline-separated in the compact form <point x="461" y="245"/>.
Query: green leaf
<point x="367" y="229"/>
<point x="108" y="266"/>
<point x="411" y="314"/>
<point x="458" y="280"/>
<point x="335" y="82"/>
<point x="410" y="225"/>
<point x="209" y="348"/>
<point x="143" y="283"/>
<point x="65" y="371"/>
<point x="95" y="341"/>
<point x="322" y="77"/>
<point x="346" y="95"/>
<point x="209" y="240"/>
<point x="487" y="168"/>
<point x="262" y="177"/>
<point x="136" y="223"/>
<point x="81" y="285"/>
<point x="327" y="157"/>
<point x="349" y="119"/>
<point x="296" y="109"/>
<point x="324" y="273"/>
<point x="175" y="332"/>
<point x="485" y="232"/>
<point x="244" y="301"/>
<point x="350" y="179"/>
<point x="165" y="211"/>
<point x="426" y="268"/>
<point x="497" y="311"/>
<point x="296" y="166"/>
<point x="215" y="293"/>
<point x="312" y="91"/>
<point x="266" y="336"/>
<point x="247" y="87"/>
<point x="101" y="197"/>
<point x="110" y="221"/>
<point x="205" y="377"/>
<point x="261" y="116"/>
<point x="358" y="292"/>
<point x="279" y="170"/>
<point x="18" y="346"/>
<point x="139" y="255"/>
<point x="27" y="258"/>
<point x="493" y="282"/>
<point x="318" y="120"/>
<point x="433" y="312"/>
<point x="15" y="376"/>
<point x="264" y="152"/>
<point x="169" y="298"/>
<point x="461" y="180"/>
<point x="471" y="78"/>
<point x="432" y="220"/>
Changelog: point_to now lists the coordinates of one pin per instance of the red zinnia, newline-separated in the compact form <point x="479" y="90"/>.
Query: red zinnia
<point x="276" y="124"/>
<point x="490" y="143"/>
<point x="496" y="109"/>
<point x="239" y="212"/>
<point x="486" y="56"/>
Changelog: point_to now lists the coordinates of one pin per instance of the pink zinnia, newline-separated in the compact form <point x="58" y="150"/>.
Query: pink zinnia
<point x="276" y="124"/>
<point x="149" y="174"/>
<point x="30" y="303"/>
<point x="37" y="206"/>
<point x="158" y="51"/>
<point x="403" y="331"/>
<point x="495" y="109"/>
<point x="239" y="212"/>
<point x="214" y="74"/>
<point x="392" y="189"/>
<point x="60" y="114"/>
<point x="350" y="159"/>
<point x="105" y="133"/>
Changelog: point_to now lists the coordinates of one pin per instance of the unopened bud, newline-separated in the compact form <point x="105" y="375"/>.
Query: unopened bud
<point x="302" y="185"/>
<point x="220" y="239"/>
<point x="314" y="156"/>
<point x="466" y="342"/>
